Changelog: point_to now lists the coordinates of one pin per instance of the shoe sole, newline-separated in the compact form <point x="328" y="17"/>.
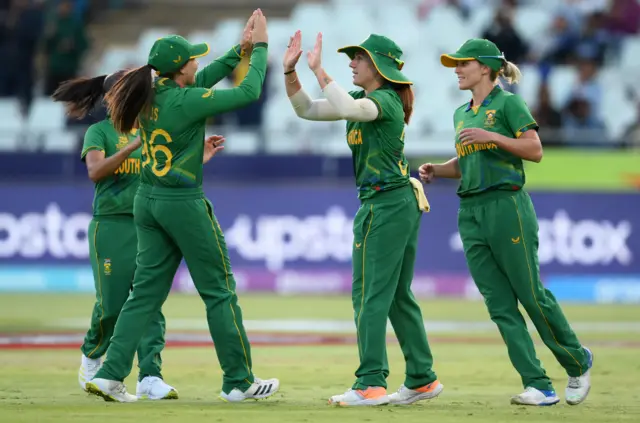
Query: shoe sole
<point x="255" y="398"/>
<point x="421" y="397"/>
<point x="515" y="402"/>
<point x="94" y="390"/>
<point x="373" y="402"/>
<point x="172" y="395"/>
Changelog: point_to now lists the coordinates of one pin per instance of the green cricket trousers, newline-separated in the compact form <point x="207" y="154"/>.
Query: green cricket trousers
<point x="385" y="232"/>
<point x="113" y="245"/>
<point x="173" y="223"/>
<point x="499" y="231"/>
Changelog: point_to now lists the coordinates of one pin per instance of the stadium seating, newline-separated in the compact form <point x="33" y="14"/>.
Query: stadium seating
<point x="423" y="41"/>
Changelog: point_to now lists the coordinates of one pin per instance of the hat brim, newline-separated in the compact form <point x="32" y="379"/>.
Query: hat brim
<point x="388" y="72"/>
<point x="452" y="60"/>
<point x="199" y="50"/>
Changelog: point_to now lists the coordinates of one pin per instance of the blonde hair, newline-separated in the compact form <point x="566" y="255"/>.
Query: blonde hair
<point x="509" y="72"/>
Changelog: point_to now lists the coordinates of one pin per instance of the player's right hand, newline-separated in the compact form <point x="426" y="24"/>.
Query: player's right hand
<point x="259" y="34"/>
<point x="427" y="173"/>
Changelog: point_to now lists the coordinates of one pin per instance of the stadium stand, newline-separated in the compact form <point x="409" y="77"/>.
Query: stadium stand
<point x="584" y="54"/>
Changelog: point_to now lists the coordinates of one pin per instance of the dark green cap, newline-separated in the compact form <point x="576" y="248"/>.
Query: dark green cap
<point x="484" y="51"/>
<point x="385" y="55"/>
<point x="169" y="54"/>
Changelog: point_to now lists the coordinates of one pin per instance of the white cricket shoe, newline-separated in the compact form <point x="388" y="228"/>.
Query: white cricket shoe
<point x="260" y="389"/>
<point x="88" y="369"/>
<point x="533" y="396"/>
<point x="373" y="395"/>
<point x="406" y="396"/>
<point x="110" y="390"/>
<point x="578" y="387"/>
<point x="154" y="388"/>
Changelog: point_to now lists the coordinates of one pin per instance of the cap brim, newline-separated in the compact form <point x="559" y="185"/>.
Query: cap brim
<point x="452" y="60"/>
<point x="199" y="50"/>
<point x="388" y="73"/>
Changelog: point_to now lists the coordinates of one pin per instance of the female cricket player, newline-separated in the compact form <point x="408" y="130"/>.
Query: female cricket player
<point x="173" y="217"/>
<point x="113" y="163"/>
<point x="495" y="132"/>
<point x="386" y="225"/>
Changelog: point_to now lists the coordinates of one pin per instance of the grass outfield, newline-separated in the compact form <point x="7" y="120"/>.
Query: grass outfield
<point x="40" y="384"/>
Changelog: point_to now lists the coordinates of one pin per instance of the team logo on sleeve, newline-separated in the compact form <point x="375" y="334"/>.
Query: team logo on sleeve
<point x="122" y="142"/>
<point x="490" y="119"/>
<point x="107" y="267"/>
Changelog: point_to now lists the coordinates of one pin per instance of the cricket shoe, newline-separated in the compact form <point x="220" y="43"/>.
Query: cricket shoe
<point x="533" y="396"/>
<point x="154" y="388"/>
<point x="578" y="387"/>
<point x="110" y="390"/>
<point x="259" y="389"/>
<point x="88" y="369"/>
<point x="373" y="395"/>
<point x="406" y="396"/>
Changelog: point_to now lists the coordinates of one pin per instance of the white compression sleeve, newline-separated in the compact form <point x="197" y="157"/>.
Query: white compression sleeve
<point x="361" y="110"/>
<point x="309" y="109"/>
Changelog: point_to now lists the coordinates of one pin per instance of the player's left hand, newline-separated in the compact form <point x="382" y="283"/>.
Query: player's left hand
<point x="245" y="43"/>
<point x="314" y="57"/>
<point x="212" y="145"/>
<point x="470" y="136"/>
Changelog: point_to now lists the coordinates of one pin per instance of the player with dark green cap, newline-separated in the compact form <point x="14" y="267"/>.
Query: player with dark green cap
<point x="495" y="132"/>
<point x="113" y="164"/>
<point x="387" y="223"/>
<point x="173" y="218"/>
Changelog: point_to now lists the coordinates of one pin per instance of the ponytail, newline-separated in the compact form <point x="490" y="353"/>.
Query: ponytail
<point x="511" y="73"/>
<point x="407" y="97"/>
<point x="132" y="95"/>
<point x="80" y="95"/>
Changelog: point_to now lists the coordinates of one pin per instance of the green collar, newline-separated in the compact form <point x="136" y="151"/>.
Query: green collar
<point x="495" y="91"/>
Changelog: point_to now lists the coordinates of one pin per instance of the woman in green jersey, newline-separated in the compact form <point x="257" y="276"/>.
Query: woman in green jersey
<point x="386" y="225"/>
<point x="495" y="132"/>
<point x="173" y="218"/>
<point x="113" y="164"/>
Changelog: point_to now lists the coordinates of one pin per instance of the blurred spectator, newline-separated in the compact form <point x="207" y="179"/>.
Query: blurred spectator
<point x="65" y="44"/>
<point x="588" y="86"/>
<point x="549" y="119"/>
<point x="505" y="36"/>
<point x="580" y="126"/>
<point x="623" y="17"/>
<point x="593" y="40"/>
<point x="20" y="33"/>
<point x="557" y="46"/>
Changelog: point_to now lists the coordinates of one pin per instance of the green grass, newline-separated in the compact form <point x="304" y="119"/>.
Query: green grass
<point x="41" y="386"/>
<point x="35" y="312"/>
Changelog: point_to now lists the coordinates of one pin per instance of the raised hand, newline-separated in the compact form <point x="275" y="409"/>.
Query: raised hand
<point x="293" y="52"/>
<point x="314" y="57"/>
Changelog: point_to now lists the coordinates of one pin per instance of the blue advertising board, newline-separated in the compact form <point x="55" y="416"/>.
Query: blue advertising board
<point x="296" y="237"/>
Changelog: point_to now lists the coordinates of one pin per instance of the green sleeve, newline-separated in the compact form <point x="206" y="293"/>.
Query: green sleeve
<point x="94" y="139"/>
<point x="518" y="116"/>
<point x="201" y="103"/>
<point x="385" y="102"/>
<point x="219" y="68"/>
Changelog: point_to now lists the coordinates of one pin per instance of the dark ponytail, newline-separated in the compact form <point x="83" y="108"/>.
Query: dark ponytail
<point x="82" y="94"/>
<point x="132" y="95"/>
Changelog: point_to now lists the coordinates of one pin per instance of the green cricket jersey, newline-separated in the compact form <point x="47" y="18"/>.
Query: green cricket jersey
<point x="114" y="194"/>
<point x="173" y="132"/>
<point x="485" y="167"/>
<point x="377" y="147"/>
